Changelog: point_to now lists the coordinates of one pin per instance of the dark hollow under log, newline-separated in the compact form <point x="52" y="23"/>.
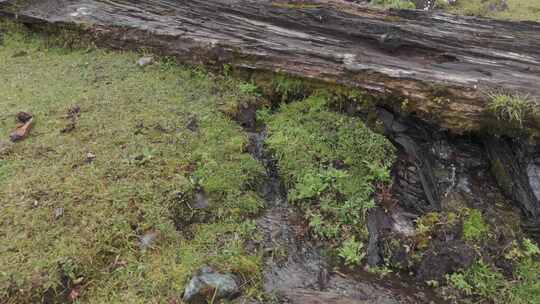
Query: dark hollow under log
<point x="441" y="64"/>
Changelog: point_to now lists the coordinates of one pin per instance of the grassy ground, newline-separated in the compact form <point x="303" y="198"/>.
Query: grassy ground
<point x="70" y="224"/>
<point x="514" y="10"/>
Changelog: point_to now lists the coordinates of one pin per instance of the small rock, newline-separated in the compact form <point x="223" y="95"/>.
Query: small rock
<point x="144" y="61"/>
<point x="207" y="284"/>
<point x="58" y="213"/>
<point x="90" y="157"/>
<point x="201" y="201"/>
<point x="147" y="240"/>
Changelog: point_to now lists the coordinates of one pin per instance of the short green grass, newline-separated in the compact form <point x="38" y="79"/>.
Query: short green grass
<point x="512" y="108"/>
<point x="133" y="120"/>
<point x="395" y="4"/>
<point x="517" y="9"/>
<point x="331" y="163"/>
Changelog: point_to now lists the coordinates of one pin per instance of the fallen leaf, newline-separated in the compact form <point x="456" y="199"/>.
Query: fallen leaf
<point x="21" y="131"/>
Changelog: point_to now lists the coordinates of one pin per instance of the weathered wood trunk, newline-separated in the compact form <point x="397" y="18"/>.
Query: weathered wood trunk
<point x="443" y="65"/>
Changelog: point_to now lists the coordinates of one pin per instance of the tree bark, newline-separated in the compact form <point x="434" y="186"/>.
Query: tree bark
<point x="440" y="65"/>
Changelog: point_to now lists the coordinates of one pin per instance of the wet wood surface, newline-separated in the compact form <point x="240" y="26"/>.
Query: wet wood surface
<point x="440" y="65"/>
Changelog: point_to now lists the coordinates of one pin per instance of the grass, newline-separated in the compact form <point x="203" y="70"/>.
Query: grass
<point x="512" y="108"/>
<point x="134" y="121"/>
<point x="331" y="164"/>
<point x="395" y="4"/>
<point x="517" y="9"/>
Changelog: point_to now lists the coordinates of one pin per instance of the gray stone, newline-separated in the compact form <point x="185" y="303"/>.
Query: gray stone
<point x="201" y="201"/>
<point x="144" y="61"/>
<point x="208" y="284"/>
<point x="58" y="213"/>
<point x="533" y="172"/>
<point x="147" y="240"/>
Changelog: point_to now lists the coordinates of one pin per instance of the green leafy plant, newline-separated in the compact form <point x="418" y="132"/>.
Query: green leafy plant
<point x="479" y="279"/>
<point x="351" y="251"/>
<point x="526" y="250"/>
<point x="459" y="281"/>
<point x="313" y="184"/>
<point x="474" y="226"/>
<point x="530" y="248"/>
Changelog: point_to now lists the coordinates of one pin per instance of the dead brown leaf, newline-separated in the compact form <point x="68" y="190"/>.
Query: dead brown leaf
<point x="25" y="121"/>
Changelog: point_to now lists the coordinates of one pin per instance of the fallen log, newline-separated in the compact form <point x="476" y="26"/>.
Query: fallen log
<point x="441" y="65"/>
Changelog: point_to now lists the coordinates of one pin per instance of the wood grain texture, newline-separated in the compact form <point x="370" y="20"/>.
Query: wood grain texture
<point x="442" y="64"/>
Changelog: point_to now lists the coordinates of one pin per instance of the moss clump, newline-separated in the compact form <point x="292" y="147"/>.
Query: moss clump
<point x="330" y="163"/>
<point x="148" y="159"/>
<point x="474" y="226"/>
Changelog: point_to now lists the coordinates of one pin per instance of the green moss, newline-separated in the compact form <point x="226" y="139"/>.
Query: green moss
<point x="474" y="226"/>
<point x="330" y="163"/>
<point x="134" y="121"/>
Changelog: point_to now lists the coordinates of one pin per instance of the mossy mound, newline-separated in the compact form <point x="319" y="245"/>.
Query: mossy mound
<point x="331" y="164"/>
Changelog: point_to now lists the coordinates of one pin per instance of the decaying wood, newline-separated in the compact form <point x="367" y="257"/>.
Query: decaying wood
<point x="441" y="65"/>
